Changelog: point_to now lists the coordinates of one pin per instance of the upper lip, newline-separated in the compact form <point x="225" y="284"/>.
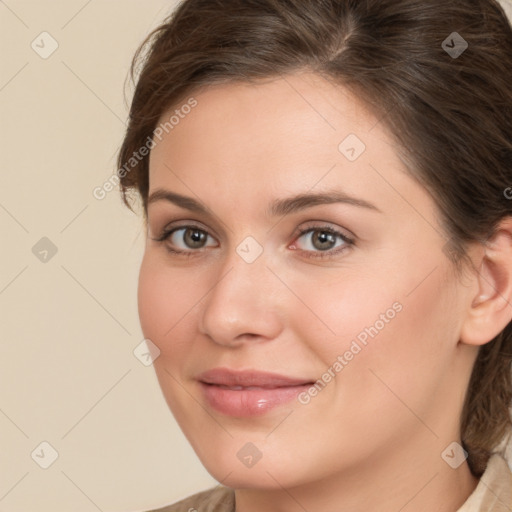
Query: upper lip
<point x="247" y="378"/>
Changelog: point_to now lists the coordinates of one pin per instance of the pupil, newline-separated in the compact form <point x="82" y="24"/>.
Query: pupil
<point x="324" y="238"/>
<point x="194" y="238"/>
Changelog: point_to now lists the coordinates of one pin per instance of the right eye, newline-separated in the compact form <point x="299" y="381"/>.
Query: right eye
<point x="185" y="239"/>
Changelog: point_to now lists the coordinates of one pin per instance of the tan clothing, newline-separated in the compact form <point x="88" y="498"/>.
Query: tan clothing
<point x="492" y="494"/>
<point x="494" y="490"/>
<point x="218" y="499"/>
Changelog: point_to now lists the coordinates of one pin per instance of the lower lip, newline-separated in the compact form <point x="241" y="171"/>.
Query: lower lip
<point x="249" y="402"/>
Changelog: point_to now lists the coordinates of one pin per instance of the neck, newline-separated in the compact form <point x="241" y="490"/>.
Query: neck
<point x="407" y="481"/>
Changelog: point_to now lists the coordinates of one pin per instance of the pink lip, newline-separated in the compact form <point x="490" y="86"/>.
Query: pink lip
<point x="248" y="393"/>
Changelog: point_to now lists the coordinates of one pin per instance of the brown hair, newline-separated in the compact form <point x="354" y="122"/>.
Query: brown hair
<point x="451" y="115"/>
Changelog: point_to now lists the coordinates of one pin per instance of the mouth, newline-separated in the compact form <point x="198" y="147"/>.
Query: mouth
<point x="248" y="393"/>
<point x="249" y="379"/>
<point x="244" y="388"/>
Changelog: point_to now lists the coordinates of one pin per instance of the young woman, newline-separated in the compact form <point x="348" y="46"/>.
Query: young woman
<point x="327" y="189"/>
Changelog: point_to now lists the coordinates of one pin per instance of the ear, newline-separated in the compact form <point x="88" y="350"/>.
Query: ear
<point x="491" y="307"/>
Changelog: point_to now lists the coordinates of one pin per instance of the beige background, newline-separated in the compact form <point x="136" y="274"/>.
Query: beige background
<point x="69" y="323"/>
<point x="69" y="326"/>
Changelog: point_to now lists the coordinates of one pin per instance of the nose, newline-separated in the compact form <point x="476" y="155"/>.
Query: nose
<point x="243" y="304"/>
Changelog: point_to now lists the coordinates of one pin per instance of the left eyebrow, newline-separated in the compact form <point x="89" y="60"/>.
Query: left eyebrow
<point x="300" y="202"/>
<point x="278" y="207"/>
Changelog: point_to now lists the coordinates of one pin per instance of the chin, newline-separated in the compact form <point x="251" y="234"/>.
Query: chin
<point x="232" y="467"/>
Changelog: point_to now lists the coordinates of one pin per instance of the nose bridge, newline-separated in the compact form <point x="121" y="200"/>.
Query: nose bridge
<point x="238" y="303"/>
<point x="243" y="272"/>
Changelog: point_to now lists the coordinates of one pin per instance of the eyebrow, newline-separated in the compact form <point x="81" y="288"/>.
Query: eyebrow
<point x="278" y="207"/>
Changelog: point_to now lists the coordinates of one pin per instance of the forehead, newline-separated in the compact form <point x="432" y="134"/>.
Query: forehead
<point x="298" y="105"/>
<point x="287" y="134"/>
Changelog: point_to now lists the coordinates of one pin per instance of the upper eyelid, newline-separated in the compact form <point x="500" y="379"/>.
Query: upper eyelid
<point x="171" y="229"/>
<point x="346" y="235"/>
<point x="316" y="223"/>
<point x="329" y="255"/>
<point x="327" y="226"/>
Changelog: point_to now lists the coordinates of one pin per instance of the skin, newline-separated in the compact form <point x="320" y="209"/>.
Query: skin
<point x="372" y="438"/>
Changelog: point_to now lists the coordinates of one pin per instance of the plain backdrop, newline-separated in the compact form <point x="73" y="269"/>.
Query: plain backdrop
<point x="74" y="396"/>
<point x="69" y="323"/>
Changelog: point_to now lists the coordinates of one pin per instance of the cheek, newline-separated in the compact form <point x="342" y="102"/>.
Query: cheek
<point x="343" y="313"/>
<point x="367" y="327"/>
<point x="152" y="300"/>
<point x="165" y="303"/>
<point x="166" y="309"/>
<point x="406" y="364"/>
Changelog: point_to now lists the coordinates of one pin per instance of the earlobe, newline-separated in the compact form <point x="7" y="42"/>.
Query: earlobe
<point x="491" y="307"/>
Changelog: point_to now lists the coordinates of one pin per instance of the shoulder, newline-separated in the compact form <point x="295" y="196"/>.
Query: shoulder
<point x="494" y="490"/>
<point x="217" y="499"/>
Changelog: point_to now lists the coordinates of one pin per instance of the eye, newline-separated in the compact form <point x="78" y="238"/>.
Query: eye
<point x="322" y="242"/>
<point x="318" y="241"/>
<point x="185" y="239"/>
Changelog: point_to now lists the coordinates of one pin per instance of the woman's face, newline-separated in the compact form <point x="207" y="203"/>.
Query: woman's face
<point x="304" y="250"/>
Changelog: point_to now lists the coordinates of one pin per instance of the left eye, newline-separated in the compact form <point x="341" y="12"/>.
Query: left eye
<point x="320" y="242"/>
<point x="323" y="239"/>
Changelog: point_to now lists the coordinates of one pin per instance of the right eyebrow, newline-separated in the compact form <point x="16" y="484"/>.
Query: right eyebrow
<point x="279" y="207"/>
<point x="185" y="202"/>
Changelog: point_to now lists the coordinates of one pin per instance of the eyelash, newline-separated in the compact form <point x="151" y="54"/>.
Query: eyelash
<point x="331" y="253"/>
